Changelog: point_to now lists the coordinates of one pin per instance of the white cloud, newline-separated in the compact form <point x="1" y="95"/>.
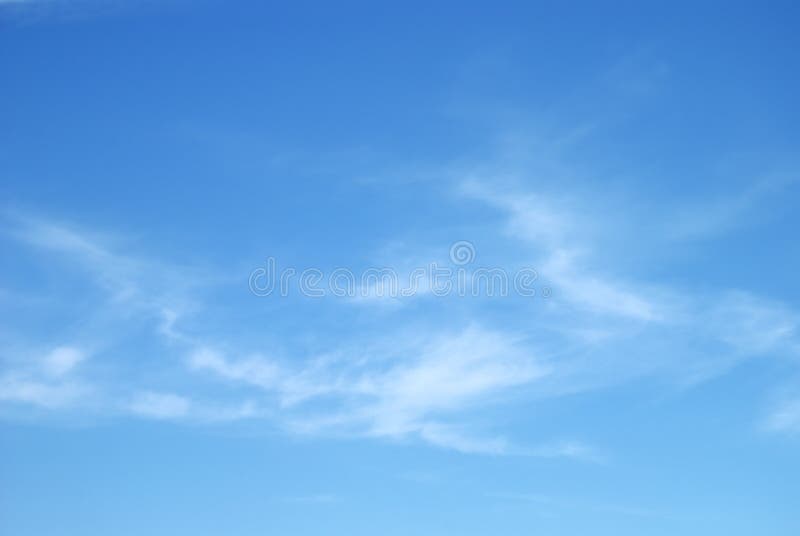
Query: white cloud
<point x="730" y="211"/>
<point x="159" y="405"/>
<point x="407" y="396"/>
<point x="532" y="217"/>
<point x="594" y="293"/>
<point x="426" y="387"/>
<point x="753" y="325"/>
<point x="253" y="370"/>
<point x="447" y="437"/>
<point x="449" y="374"/>
<point x="37" y="393"/>
<point x="62" y="360"/>
<point x="561" y="239"/>
<point x="785" y="418"/>
<point x="566" y="449"/>
<point x="171" y="406"/>
<point x="134" y="285"/>
<point x="48" y="383"/>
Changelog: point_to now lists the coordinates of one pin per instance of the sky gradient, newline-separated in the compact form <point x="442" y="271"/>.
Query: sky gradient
<point x="631" y="170"/>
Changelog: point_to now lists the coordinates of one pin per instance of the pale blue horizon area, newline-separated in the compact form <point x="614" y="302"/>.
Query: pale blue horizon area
<point x="641" y="158"/>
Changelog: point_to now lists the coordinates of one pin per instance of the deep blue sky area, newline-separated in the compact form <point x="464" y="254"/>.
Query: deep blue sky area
<point x="567" y="233"/>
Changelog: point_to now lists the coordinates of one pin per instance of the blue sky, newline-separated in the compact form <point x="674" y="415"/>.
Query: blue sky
<point x="637" y="161"/>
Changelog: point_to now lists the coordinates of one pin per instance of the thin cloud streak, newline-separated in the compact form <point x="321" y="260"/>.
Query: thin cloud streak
<point x="425" y="389"/>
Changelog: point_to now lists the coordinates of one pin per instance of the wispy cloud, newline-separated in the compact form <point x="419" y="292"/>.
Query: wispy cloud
<point x="404" y="397"/>
<point x="560" y="241"/>
<point x="785" y="417"/>
<point x="729" y="211"/>
<point x="560" y="237"/>
<point x="254" y="370"/>
<point x="599" y="329"/>
<point x="62" y="360"/>
<point x="754" y="325"/>
<point x="16" y="389"/>
<point x="160" y="405"/>
<point x="47" y="381"/>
